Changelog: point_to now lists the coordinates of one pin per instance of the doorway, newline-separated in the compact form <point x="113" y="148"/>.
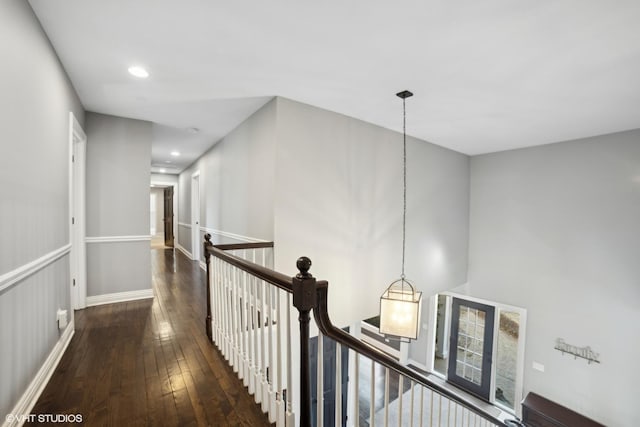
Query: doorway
<point x="329" y="352"/>
<point x="168" y="217"/>
<point x="161" y="213"/>
<point x="77" y="228"/>
<point x="195" y="216"/>
<point x="471" y="346"/>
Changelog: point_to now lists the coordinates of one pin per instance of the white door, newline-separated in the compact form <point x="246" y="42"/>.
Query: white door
<point x="78" y="256"/>
<point x="195" y="216"/>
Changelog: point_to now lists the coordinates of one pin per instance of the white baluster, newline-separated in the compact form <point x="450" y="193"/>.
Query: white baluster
<point x="386" y="397"/>
<point x="290" y="416"/>
<point x="220" y="303"/>
<point x="225" y="304"/>
<point x="272" y="373"/>
<point x="338" y="385"/>
<point x="279" y="356"/>
<point x="356" y="402"/>
<point x="214" y="300"/>
<point x="411" y="384"/>
<point x="264" y="353"/>
<point x="372" y="405"/>
<point x="400" y="393"/>
<point x="235" y="307"/>
<point x="256" y="342"/>
<point x="422" y="407"/>
<point x="244" y="329"/>
<point x="232" y="356"/>
<point x="320" y="382"/>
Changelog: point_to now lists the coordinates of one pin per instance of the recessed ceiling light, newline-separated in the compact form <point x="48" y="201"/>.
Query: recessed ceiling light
<point x="175" y="153"/>
<point x="163" y="170"/>
<point x="138" y="72"/>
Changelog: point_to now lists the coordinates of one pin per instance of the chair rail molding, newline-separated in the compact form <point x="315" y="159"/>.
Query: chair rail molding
<point x="234" y="236"/>
<point x="17" y="275"/>
<point x="117" y="239"/>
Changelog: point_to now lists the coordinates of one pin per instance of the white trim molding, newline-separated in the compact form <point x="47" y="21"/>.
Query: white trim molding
<point x="183" y="250"/>
<point x="31" y="395"/>
<point x="117" y="239"/>
<point x="119" y="297"/>
<point x="232" y="235"/>
<point x="9" y="279"/>
<point x="182" y="224"/>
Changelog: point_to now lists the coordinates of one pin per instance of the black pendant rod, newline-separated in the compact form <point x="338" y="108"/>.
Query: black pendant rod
<point x="404" y="95"/>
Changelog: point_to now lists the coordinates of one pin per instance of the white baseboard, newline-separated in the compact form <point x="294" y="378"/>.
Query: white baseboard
<point x="118" y="239"/>
<point x="32" y="393"/>
<point x="203" y="265"/>
<point x="119" y="297"/>
<point x="183" y="250"/>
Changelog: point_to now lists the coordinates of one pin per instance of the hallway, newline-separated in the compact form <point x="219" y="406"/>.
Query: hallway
<point x="149" y="362"/>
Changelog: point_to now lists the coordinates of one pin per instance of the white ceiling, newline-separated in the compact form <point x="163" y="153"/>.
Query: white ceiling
<point x="487" y="75"/>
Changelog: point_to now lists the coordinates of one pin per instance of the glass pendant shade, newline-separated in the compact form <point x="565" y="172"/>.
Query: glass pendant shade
<point x="400" y="310"/>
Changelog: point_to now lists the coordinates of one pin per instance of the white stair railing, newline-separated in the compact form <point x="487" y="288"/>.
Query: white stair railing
<point x="249" y="326"/>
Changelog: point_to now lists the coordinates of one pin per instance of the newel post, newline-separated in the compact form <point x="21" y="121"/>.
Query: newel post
<point x="207" y="257"/>
<point x="304" y="299"/>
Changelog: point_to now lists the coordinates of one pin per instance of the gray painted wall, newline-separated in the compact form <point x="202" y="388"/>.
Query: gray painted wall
<point x="556" y="230"/>
<point x="118" y="156"/>
<point x="236" y="181"/>
<point x="34" y="207"/>
<point x="339" y="201"/>
<point x="325" y="185"/>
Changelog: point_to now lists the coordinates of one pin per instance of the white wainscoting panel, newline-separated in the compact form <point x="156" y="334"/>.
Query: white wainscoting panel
<point x="39" y="382"/>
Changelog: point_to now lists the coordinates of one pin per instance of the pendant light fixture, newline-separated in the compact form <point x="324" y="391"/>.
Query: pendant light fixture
<point x="400" y="302"/>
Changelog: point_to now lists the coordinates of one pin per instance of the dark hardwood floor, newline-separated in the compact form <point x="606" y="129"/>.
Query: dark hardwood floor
<point x="149" y="362"/>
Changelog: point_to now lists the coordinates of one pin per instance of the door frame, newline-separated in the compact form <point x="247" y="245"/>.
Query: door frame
<point x="77" y="215"/>
<point x="195" y="216"/>
<point x="161" y="183"/>
<point x="499" y="307"/>
<point x="485" y="388"/>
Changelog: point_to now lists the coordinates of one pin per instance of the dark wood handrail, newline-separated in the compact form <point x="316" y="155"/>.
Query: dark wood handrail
<point x="321" y="316"/>
<point x="309" y="293"/>
<point x="240" y="246"/>
<point x="278" y="279"/>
